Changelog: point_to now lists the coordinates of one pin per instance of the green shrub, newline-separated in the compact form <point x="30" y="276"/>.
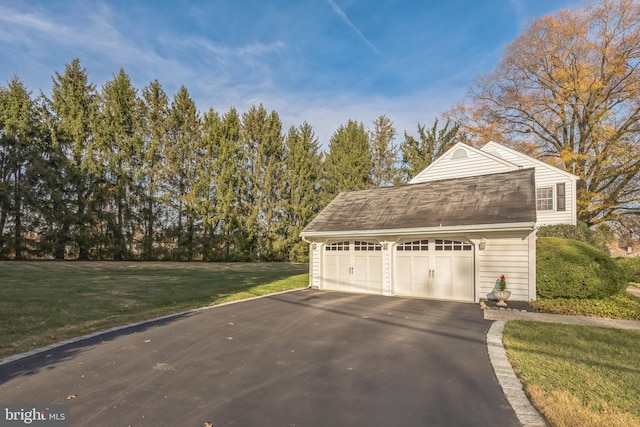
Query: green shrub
<point x="580" y="232"/>
<point x="631" y="266"/>
<point x="567" y="268"/>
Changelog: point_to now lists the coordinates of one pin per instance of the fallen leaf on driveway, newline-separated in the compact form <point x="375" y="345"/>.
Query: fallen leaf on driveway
<point x="72" y="396"/>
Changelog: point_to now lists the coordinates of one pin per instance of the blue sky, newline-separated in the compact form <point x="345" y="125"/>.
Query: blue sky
<point x="323" y="61"/>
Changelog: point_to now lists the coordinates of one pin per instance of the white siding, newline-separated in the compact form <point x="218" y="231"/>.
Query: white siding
<point x="314" y="265"/>
<point x="508" y="254"/>
<point x="546" y="176"/>
<point x="386" y="268"/>
<point x="476" y="163"/>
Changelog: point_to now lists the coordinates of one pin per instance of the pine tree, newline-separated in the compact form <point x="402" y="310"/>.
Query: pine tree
<point x="155" y="112"/>
<point x="72" y="106"/>
<point x="228" y="175"/>
<point x="349" y="163"/>
<point x="384" y="153"/>
<point x="17" y="136"/>
<point x="434" y="142"/>
<point x="184" y="137"/>
<point x="262" y="137"/>
<point x="117" y="136"/>
<point x="303" y="166"/>
<point x="49" y="188"/>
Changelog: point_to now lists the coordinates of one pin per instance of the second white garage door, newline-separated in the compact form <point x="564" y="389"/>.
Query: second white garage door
<point x="353" y="266"/>
<point x="435" y="268"/>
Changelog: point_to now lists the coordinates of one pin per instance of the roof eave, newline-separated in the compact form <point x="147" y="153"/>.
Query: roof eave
<point x="456" y="229"/>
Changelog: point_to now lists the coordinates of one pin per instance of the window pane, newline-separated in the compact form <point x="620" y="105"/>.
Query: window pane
<point x="544" y="199"/>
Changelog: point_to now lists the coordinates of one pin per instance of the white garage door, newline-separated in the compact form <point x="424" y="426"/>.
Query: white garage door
<point x="353" y="266"/>
<point x="435" y="268"/>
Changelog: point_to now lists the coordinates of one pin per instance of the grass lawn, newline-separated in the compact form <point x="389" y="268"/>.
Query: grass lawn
<point x="578" y="375"/>
<point x="45" y="302"/>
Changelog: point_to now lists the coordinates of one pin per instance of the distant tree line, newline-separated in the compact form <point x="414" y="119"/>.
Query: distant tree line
<point x="123" y="174"/>
<point x="119" y="173"/>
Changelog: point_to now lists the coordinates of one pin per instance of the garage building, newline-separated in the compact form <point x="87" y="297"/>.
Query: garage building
<point x="447" y="239"/>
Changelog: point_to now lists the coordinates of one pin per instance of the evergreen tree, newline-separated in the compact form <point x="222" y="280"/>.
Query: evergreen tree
<point x="49" y="188"/>
<point x="228" y="173"/>
<point x="155" y="112"/>
<point x="384" y="153"/>
<point x="303" y="166"/>
<point x="117" y="136"/>
<point x="349" y="163"/>
<point x="72" y="106"/>
<point x="434" y="142"/>
<point x="262" y="138"/>
<point x="184" y="138"/>
<point x="17" y="136"/>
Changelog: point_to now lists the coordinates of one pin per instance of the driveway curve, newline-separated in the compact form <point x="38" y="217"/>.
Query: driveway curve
<point x="304" y="358"/>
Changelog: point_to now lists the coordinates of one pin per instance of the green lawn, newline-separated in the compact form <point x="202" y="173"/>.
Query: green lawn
<point x="578" y="375"/>
<point x="45" y="302"/>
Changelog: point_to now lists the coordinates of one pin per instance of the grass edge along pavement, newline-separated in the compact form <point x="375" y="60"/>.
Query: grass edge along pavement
<point x="577" y="375"/>
<point x="560" y="406"/>
<point x="45" y="303"/>
<point x="53" y="346"/>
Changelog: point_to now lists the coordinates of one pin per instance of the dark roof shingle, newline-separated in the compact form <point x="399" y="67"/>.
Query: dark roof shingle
<point x="501" y="198"/>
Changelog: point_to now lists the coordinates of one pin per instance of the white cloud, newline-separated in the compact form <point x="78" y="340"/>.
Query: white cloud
<point x="343" y="16"/>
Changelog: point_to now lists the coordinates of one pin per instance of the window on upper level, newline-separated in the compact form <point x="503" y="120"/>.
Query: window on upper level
<point x="460" y="153"/>
<point x="544" y="199"/>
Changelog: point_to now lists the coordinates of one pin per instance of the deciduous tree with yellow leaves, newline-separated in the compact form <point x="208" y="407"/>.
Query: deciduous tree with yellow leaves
<point x="568" y="90"/>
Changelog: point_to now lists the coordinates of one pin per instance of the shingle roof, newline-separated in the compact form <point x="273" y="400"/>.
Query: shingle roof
<point x="501" y="198"/>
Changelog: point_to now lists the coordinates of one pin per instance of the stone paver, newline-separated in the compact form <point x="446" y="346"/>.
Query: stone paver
<point x="492" y="314"/>
<point x="634" y="290"/>
<point x="510" y="384"/>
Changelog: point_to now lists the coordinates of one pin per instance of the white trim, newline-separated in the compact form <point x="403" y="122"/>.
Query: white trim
<point x="532" y="265"/>
<point x="447" y="156"/>
<point x="454" y="229"/>
<point x="553" y="198"/>
<point x="493" y="144"/>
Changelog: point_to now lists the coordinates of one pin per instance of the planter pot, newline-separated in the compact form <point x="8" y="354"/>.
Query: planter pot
<point x="501" y="296"/>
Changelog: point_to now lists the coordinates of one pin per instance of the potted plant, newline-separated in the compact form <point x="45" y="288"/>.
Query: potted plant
<point x="500" y="293"/>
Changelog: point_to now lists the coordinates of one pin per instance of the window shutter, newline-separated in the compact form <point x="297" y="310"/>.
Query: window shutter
<point x="560" y="197"/>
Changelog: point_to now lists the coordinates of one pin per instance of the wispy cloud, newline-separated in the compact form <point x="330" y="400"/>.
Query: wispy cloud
<point x="343" y="16"/>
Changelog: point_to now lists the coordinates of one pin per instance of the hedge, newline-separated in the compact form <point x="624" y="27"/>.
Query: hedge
<point x="567" y="268"/>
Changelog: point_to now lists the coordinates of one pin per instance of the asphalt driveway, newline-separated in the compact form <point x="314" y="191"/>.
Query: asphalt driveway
<point x="305" y="358"/>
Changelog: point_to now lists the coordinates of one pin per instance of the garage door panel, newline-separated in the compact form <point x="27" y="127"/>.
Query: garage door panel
<point x="403" y="275"/>
<point x="420" y="275"/>
<point x="367" y="272"/>
<point x="435" y="268"/>
<point x="353" y="267"/>
<point x="337" y="271"/>
<point x="441" y="283"/>
<point x="463" y="273"/>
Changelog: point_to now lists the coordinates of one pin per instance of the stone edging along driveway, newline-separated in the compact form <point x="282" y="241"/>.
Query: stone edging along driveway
<point x="510" y="384"/>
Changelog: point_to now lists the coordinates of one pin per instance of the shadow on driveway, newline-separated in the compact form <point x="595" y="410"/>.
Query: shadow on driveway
<point x="305" y="358"/>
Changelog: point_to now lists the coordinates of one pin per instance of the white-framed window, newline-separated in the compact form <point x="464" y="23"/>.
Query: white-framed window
<point x="366" y="246"/>
<point x="337" y="246"/>
<point x="452" y="245"/>
<point x="416" y="245"/>
<point x="544" y="199"/>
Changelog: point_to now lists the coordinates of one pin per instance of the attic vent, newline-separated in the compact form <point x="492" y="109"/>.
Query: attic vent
<point x="460" y="153"/>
